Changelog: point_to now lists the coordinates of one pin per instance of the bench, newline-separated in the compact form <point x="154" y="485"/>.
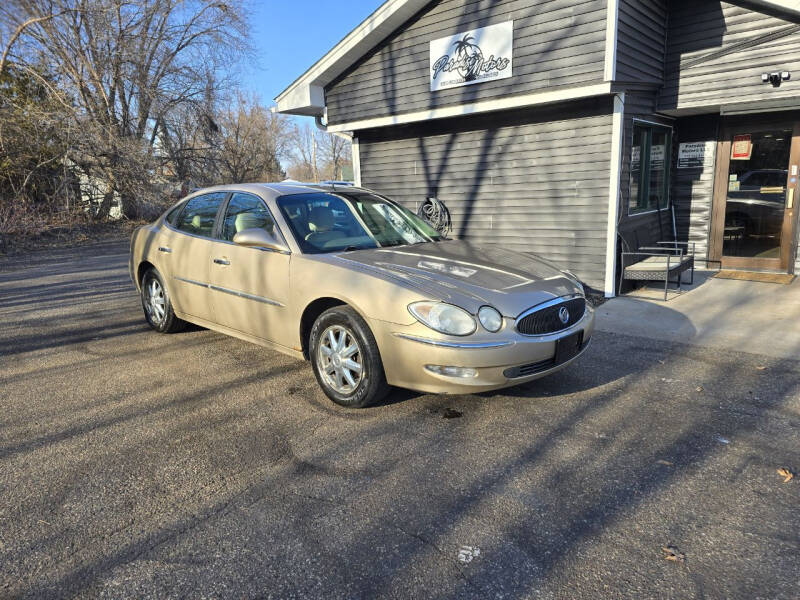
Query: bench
<point x="661" y="262"/>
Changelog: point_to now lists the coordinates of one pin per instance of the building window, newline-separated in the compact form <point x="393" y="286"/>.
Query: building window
<point x="650" y="153"/>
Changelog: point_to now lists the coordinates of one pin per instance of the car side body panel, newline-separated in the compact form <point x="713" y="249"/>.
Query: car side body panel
<point x="250" y="290"/>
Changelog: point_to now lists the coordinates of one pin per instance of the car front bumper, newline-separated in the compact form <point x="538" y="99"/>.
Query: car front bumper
<point x="495" y="358"/>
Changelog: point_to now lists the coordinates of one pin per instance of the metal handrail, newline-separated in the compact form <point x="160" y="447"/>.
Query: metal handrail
<point x="678" y="250"/>
<point x="647" y="254"/>
<point x="687" y="244"/>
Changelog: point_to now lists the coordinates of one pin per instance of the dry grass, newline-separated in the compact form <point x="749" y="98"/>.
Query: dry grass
<point x="61" y="231"/>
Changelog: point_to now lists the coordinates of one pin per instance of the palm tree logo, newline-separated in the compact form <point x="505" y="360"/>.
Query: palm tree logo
<point x="468" y="57"/>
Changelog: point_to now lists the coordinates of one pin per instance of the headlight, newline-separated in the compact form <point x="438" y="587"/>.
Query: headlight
<point x="570" y="274"/>
<point x="444" y="318"/>
<point x="490" y="318"/>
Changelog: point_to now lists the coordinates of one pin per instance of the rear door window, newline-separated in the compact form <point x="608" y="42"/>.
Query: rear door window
<point x="172" y="216"/>
<point x="200" y="213"/>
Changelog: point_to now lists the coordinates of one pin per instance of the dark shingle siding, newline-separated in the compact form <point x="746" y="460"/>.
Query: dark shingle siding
<point x="556" y="43"/>
<point x="698" y="29"/>
<point x="693" y="189"/>
<point x="641" y="37"/>
<point x="531" y="180"/>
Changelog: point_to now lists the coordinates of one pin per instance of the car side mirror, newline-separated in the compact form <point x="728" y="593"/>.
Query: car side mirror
<point x="259" y="238"/>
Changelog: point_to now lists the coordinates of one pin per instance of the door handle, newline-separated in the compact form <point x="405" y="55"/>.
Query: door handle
<point x="222" y="261"/>
<point x="164" y="249"/>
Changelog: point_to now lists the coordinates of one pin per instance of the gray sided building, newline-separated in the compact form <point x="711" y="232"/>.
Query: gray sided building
<point x="575" y="129"/>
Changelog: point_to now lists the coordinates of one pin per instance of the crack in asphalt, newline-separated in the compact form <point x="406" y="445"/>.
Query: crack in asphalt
<point x="448" y="560"/>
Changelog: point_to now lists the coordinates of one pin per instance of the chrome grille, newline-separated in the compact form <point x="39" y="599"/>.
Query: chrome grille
<point x="546" y="320"/>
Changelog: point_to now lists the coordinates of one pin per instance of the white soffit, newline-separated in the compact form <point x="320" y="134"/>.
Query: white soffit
<point x="306" y="95"/>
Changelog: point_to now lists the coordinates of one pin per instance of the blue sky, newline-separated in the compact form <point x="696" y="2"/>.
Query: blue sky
<point x="291" y="35"/>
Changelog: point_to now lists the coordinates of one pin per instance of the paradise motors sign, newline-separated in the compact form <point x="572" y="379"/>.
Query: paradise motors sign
<point x="474" y="56"/>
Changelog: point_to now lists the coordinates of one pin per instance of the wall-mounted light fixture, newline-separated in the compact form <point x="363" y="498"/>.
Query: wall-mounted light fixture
<point x="776" y="78"/>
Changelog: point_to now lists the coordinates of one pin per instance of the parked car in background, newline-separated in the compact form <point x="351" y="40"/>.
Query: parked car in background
<point x="756" y="202"/>
<point x="367" y="291"/>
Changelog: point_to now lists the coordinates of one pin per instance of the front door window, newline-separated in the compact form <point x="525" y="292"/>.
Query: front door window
<point x="757" y="194"/>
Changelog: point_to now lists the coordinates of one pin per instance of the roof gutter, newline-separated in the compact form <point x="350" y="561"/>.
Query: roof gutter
<point x="788" y="8"/>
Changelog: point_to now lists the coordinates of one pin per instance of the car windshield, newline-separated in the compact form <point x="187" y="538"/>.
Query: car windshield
<point x="331" y="222"/>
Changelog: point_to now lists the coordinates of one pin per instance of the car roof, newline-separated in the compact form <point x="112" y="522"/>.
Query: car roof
<point x="280" y="189"/>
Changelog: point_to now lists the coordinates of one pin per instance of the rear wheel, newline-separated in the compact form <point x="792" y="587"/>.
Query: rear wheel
<point x="157" y="305"/>
<point x="346" y="360"/>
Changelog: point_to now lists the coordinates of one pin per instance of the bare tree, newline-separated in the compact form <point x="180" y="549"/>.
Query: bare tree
<point x="18" y="31"/>
<point x="303" y="164"/>
<point x="252" y="142"/>
<point x="317" y="155"/>
<point x="188" y="140"/>
<point x="37" y="185"/>
<point x="336" y="153"/>
<point x="123" y="67"/>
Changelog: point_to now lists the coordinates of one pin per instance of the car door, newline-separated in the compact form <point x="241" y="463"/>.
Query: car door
<point x="250" y="286"/>
<point x="187" y="245"/>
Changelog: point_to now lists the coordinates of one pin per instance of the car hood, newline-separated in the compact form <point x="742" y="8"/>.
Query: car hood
<point x="467" y="274"/>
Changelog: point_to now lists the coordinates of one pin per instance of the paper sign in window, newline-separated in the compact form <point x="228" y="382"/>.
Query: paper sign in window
<point x="742" y="147"/>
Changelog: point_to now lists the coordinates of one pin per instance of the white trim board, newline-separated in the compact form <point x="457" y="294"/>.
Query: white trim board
<point x="356" y="158"/>
<point x="535" y="99"/>
<point x="614" y="182"/>
<point x="612" y="27"/>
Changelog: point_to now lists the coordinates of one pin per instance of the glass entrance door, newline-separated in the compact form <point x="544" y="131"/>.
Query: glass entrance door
<point x="757" y="195"/>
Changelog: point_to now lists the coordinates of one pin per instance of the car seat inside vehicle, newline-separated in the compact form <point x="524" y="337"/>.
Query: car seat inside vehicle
<point x="252" y="220"/>
<point x="322" y="221"/>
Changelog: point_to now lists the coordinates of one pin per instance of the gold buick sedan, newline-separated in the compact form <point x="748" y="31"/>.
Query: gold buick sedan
<point x="367" y="291"/>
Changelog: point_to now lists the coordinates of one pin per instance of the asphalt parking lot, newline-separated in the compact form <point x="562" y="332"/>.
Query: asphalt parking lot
<point x="134" y="465"/>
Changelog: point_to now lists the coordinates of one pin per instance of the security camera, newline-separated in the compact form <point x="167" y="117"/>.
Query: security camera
<point x="776" y="77"/>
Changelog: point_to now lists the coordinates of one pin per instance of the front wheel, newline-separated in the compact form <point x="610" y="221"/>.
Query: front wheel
<point x="346" y="360"/>
<point x="157" y="305"/>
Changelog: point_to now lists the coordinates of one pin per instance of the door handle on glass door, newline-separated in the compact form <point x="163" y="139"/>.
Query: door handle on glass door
<point x="222" y="261"/>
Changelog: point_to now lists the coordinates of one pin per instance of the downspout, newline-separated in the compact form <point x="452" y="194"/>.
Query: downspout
<point x="614" y="193"/>
<point x="345" y="135"/>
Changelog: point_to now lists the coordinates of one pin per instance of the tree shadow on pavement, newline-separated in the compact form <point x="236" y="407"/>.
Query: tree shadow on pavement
<point x="604" y="476"/>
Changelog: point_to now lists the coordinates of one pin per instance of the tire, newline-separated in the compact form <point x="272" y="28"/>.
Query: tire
<point x="326" y="344"/>
<point x="157" y="306"/>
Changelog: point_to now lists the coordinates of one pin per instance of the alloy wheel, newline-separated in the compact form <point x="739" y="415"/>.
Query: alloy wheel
<point x="155" y="301"/>
<point x="339" y="359"/>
